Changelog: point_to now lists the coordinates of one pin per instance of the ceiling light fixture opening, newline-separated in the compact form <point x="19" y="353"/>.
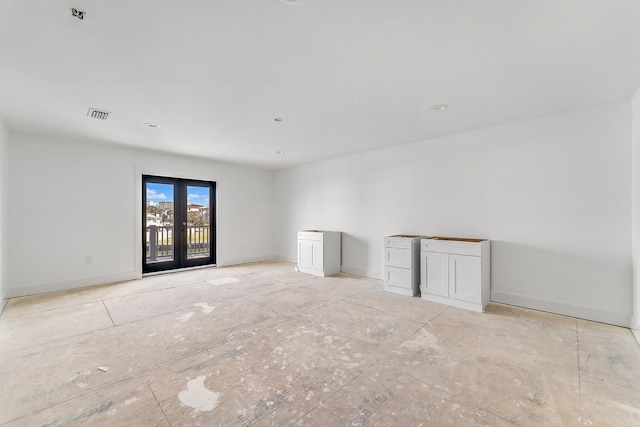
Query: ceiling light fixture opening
<point x="280" y="152"/>
<point x="77" y="13"/>
<point x="278" y="119"/>
<point x="152" y="125"/>
<point x="439" y="107"/>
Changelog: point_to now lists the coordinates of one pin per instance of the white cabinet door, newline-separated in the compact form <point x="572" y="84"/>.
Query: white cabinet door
<point x="310" y="254"/>
<point x="304" y="253"/>
<point x="317" y="260"/>
<point x="434" y="274"/>
<point x="465" y="277"/>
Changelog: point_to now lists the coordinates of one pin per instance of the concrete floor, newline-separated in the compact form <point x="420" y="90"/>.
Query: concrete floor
<point x="260" y="344"/>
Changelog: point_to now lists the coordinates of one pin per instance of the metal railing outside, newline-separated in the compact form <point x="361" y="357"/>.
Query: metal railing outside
<point x="197" y="241"/>
<point x="160" y="245"/>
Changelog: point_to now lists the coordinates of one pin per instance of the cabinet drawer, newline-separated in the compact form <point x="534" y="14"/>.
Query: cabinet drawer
<point x="397" y="242"/>
<point x="397" y="257"/>
<point x="400" y="277"/>
<point x="311" y="235"/>
<point x="451" y="247"/>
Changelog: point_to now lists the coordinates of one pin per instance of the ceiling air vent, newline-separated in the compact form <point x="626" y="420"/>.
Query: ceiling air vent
<point x="98" y="114"/>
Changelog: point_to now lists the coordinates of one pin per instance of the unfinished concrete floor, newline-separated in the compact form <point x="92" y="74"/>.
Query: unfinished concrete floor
<point x="260" y="344"/>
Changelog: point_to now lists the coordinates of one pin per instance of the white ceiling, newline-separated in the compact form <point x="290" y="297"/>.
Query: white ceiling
<point x="346" y="76"/>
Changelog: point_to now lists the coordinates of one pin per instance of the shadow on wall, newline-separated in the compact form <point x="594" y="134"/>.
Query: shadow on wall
<point x="354" y="252"/>
<point x="591" y="285"/>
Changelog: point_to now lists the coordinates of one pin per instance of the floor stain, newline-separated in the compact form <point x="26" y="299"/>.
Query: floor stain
<point x="198" y="397"/>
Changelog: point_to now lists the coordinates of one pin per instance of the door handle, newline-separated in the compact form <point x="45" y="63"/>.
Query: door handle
<point x="184" y="223"/>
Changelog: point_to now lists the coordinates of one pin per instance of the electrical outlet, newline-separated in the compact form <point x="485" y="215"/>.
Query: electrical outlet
<point x="87" y="259"/>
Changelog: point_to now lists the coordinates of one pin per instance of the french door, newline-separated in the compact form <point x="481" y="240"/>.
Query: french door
<point x="178" y="217"/>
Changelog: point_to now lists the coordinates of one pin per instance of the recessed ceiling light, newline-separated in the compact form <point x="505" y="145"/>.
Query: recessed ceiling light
<point x="278" y="119"/>
<point x="152" y="125"/>
<point x="439" y="107"/>
<point x="279" y="152"/>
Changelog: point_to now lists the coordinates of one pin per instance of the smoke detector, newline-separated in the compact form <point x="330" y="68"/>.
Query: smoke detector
<point x="98" y="114"/>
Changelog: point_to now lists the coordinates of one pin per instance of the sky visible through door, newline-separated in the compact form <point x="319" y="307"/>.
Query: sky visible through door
<point x="157" y="193"/>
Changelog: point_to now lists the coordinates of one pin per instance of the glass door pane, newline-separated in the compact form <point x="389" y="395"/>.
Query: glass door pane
<point x="198" y="229"/>
<point x="159" y="226"/>
<point x="179" y="223"/>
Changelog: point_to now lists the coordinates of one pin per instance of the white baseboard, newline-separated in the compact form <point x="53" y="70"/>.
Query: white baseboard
<point x="277" y="259"/>
<point x="230" y="262"/>
<point x="285" y="259"/>
<point x="45" y="288"/>
<point x="582" y="312"/>
<point x="373" y="274"/>
<point x="635" y="328"/>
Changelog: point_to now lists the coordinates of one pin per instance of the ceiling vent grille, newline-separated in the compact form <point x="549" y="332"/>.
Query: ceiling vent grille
<point x="98" y="114"/>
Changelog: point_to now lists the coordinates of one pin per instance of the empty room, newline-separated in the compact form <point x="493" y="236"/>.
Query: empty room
<point x="320" y="212"/>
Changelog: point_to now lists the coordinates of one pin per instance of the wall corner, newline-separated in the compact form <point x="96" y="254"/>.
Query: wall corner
<point x="4" y="178"/>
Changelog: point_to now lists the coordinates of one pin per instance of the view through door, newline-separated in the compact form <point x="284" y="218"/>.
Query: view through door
<point x="178" y="223"/>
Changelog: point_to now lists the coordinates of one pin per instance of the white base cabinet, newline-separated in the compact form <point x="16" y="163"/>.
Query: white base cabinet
<point x="456" y="272"/>
<point x="319" y="252"/>
<point x="402" y="264"/>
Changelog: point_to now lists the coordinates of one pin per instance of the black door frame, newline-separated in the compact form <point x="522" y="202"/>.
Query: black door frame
<point x="179" y="235"/>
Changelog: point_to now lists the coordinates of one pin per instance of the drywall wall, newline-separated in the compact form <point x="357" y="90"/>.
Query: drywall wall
<point x="69" y="200"/>
<point x="4" y="174"/>
<point x="553" y="194"/>
<point x="635" y="213"/>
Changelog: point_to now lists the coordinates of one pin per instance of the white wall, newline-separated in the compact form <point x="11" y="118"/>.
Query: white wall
<point x="71" y="199"/>
<point x="635" y="321"/>
<point x="553" y="194"/>
<point x="4" y="174"/>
